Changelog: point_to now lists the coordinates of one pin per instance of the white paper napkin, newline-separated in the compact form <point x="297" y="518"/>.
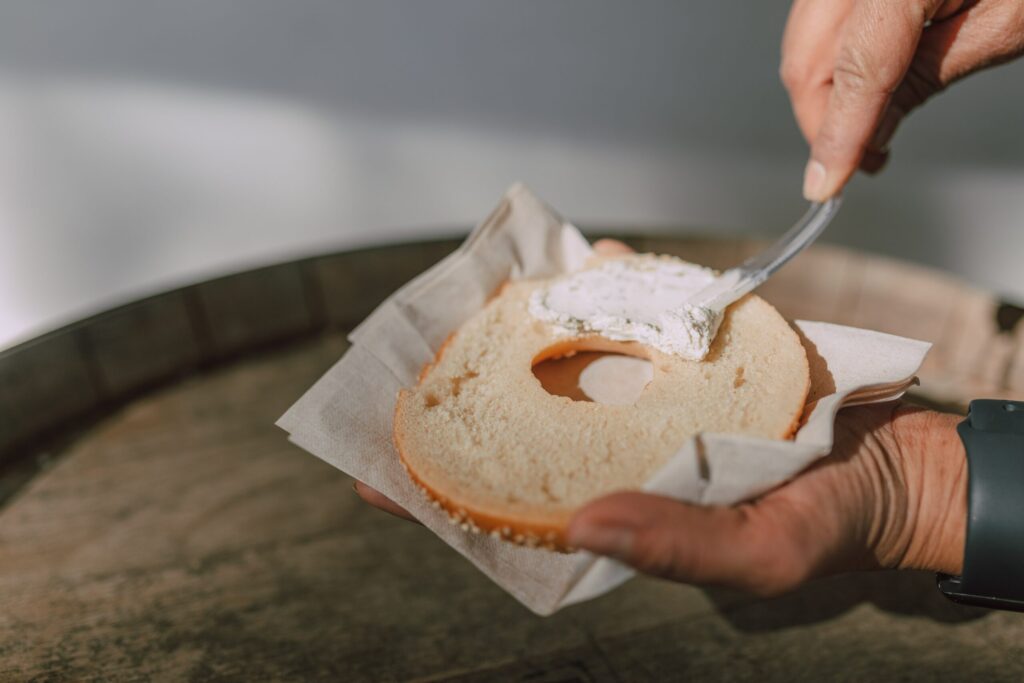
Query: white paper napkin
<point x="346" y="417"/>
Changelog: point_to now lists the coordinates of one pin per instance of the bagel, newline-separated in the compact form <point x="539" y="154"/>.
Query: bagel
<point x="486" y="442"/>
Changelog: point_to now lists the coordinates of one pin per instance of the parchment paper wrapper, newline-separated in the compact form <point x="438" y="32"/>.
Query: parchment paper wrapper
<point x="346" y="417"/>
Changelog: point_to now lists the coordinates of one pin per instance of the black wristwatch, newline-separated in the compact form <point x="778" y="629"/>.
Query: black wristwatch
<point x="993" y="570"/>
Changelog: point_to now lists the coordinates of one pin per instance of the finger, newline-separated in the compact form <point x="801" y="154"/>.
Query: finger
<point x="878" y="45"/>
<point x="729" y="546"/>
<point x="609" y="247"/>
<point x="382" y="502"/>
<point x="810" y="44"/>
<point x="874" y="161"/>
<point x="809" y="109"/>
<point x="981" y="36"/>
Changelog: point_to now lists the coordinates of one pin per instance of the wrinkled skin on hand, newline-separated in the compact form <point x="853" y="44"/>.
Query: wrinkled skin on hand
<point x="855" y="68"/>
<point x="892" y="494"/>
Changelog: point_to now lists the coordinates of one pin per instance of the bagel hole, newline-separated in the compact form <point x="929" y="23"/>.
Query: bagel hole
<point x="595" y="376"/>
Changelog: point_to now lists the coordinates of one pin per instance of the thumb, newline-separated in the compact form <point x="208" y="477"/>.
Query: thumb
<point x="730" y="546"/>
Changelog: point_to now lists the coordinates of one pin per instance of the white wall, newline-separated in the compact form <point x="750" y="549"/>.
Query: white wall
<point x="144" y="145"/>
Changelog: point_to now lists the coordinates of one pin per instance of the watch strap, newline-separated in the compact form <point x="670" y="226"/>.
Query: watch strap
<point x="993" y="569"/>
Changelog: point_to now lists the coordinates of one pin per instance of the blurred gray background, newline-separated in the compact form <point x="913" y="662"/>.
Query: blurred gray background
<point x="146" y="145"/>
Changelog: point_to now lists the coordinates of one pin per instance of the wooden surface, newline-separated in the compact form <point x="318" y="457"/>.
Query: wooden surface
<point x="183" y="538"/>
<point x="91" y="366"/>
<point x="179" y="536"/>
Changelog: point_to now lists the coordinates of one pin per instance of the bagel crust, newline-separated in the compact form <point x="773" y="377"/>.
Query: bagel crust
<point x="488" y="444"/>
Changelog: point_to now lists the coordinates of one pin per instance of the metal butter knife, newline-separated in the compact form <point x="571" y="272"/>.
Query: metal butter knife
<point x="739" y="280"/>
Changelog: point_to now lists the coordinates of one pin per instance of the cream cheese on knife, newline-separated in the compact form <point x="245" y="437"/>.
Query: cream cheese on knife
<point x="636" y="299"/>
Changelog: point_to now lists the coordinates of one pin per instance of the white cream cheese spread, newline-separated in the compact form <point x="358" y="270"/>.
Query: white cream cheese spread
<point x="637" y="299"/>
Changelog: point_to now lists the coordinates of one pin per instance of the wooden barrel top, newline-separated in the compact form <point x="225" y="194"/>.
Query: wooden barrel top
<point x="155" y="524"/>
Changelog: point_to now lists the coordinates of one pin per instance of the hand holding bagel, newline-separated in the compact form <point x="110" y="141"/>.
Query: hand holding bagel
<point x="891" y="495"/>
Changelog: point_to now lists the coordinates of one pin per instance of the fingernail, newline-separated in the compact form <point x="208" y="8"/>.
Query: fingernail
<point x="814" y="181"/>
<point x="613" y="541"/>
